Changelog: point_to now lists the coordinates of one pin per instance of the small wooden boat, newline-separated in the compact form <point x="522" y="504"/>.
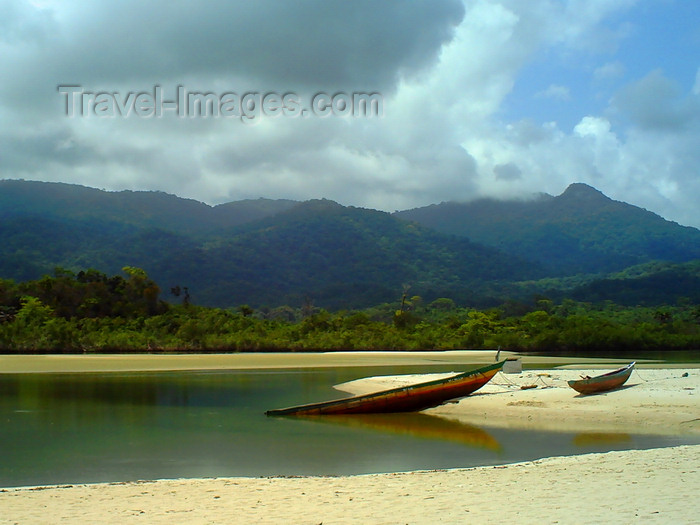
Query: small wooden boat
<point x="403" y="399"/>
<point x="603" y="383"/>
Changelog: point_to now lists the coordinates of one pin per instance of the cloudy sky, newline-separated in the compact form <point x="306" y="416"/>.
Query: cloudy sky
<point x="497" y="98"/>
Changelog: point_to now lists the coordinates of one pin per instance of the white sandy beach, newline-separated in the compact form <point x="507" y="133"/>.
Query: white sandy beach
<point x="652" y="401"/>
<point x="637" y="486"/>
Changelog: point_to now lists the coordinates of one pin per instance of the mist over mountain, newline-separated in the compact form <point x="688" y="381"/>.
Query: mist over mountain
<point x="272" y="252"/>
<point x="579" y="231"/>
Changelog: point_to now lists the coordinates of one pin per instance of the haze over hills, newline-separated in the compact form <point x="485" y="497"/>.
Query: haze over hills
<point x="140" y="209"/>
<point x="259" y="252"/>
<point x="272" y="252"/>
<point x="342" y="257"/>
<point x="579" y="231"/>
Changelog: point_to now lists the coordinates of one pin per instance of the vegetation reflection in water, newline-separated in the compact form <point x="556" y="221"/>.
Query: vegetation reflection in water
<point x="70" y="428"/>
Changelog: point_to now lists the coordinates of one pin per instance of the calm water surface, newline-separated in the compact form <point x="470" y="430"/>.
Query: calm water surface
<point x="77" y="428"/>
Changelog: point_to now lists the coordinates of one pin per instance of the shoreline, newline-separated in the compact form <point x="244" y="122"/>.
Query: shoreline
<point x="77" y="363"/>
<point x="656" y="485"/>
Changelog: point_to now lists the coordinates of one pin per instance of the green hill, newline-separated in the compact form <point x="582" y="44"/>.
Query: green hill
<point x="257" y="252"/>
<point x="140" y="209"/>
<point x="579" y="231"/>
<point x="263" y="252"/>
<point x="649" y="284"/>
<point x="344" y="257"/>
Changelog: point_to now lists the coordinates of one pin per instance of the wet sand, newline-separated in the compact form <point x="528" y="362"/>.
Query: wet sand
<point x="637" y="486"/>
<point x="243" y="361"/>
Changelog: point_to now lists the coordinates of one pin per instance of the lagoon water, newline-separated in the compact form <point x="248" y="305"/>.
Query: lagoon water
<point x="80" y="428"/>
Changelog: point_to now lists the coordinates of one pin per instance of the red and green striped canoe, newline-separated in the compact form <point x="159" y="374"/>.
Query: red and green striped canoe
<point x="410" y="398"/>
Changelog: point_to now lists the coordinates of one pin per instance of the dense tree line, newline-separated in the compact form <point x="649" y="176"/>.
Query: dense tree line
<point x="92" y="312"/>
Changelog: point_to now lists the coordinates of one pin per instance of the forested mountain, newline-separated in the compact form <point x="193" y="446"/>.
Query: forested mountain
<point x="649" y="284"/>
<point x="269" y="253"/>
<point x="317" y="251"/>
<point x="342" y="257"/>
<point x="139" y="209"/>
<point x="579" y="231"/>
<point x="656" y="284"/>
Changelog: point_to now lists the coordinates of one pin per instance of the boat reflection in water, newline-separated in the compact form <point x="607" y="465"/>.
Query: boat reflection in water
<point x="592" y="439"/>
<point x="417" y="425"/>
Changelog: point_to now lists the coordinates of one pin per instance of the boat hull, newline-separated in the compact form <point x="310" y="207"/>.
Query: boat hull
<point x="410" y="398"/>
<point x="603" y="383"/>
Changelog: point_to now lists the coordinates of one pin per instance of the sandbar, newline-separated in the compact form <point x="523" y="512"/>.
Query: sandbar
<point x="75" y="363"/>
<point x="662" y="401"/>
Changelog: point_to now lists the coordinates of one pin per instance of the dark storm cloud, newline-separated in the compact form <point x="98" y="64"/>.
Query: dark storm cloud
<point x="509" y="171"/>
<point x="29" y="153"/>
<point x="273" y="45"/>
<point x="444" y="68"/>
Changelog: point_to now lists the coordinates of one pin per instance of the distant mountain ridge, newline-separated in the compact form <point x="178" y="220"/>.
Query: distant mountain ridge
<point x="153" y="209"/>
<point x="342" y="257"/>
<point x="579" y="231"/>
<point x="259" y="252"/>
<point x="273" y="252"/>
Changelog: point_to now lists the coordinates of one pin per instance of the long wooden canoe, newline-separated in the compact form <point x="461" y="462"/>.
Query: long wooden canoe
<point x="403" y="399"/>
<point x="603" y="383"/>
